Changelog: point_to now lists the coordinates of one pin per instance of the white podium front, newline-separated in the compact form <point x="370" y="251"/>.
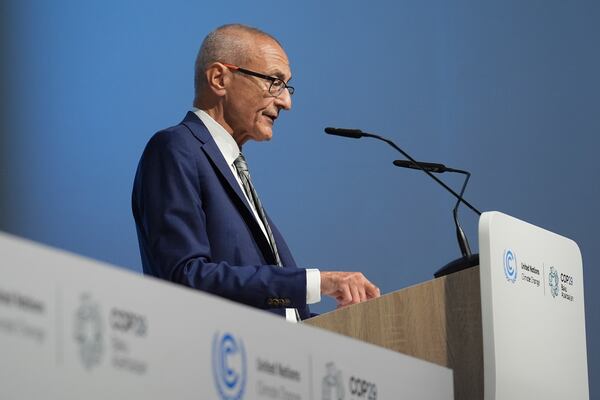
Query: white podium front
<point x="533" y="315"/>
<point x="73" y="328"/>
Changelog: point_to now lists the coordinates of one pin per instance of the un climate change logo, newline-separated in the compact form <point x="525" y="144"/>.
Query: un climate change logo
<point x="229" y="366"/>
<point x="510" y="266"/>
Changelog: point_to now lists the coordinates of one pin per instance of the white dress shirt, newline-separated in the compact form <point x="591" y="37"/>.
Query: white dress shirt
<point x="230" y="151"/>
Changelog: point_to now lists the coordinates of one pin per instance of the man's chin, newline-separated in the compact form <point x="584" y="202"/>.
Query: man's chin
<point x="264" y="135"/>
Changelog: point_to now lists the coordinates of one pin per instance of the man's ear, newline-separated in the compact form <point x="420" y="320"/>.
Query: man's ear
<point x="218" y="77"/>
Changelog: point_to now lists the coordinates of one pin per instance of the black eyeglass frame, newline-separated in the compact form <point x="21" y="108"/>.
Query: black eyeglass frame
<point x="271" y="79"/>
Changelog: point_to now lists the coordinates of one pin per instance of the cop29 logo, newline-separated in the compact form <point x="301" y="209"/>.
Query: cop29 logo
<point x="333" y="385"/>
<point x="510" y="266"/>
<point x="229" y="366"/>
<point x="553" y="281"/>
<point x="89" y="332"/>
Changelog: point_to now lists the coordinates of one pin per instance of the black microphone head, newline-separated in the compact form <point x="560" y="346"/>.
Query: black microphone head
<point x="404" y="164"/>
<point x="431" y="167"/>
<point x="351" y="133"/>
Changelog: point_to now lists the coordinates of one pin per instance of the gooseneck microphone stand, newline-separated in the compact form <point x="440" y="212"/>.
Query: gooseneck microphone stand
<point x="468" y="259"/>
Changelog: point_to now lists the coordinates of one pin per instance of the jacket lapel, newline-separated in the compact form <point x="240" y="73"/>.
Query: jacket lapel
<point x="195" y="125"/>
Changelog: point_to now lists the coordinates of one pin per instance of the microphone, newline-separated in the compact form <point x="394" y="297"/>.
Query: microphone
<point x="357" y="133"/>
<point x="351" y="133"/>
<point x="432" y="167"/>
<point x="468" y="260"/>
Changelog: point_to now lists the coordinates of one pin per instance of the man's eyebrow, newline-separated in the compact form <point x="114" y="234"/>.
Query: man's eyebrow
<point x="279" y="74"/>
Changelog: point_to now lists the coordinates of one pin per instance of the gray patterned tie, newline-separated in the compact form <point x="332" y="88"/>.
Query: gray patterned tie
<point x="242" y="168"/>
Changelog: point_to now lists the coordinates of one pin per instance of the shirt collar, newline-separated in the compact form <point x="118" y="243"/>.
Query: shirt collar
<point x="227" y="146"/>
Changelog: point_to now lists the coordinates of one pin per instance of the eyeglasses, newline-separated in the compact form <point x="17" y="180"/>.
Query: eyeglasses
<point x="277" y="85"/>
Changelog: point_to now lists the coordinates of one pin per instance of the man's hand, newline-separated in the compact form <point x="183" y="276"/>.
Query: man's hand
<point x="348" y="287"/>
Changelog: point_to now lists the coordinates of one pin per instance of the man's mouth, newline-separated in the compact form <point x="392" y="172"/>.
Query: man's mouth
<point x="271" y="117"/>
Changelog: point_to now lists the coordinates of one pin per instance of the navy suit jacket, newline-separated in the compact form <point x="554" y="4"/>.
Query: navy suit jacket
<point x="196" y="228"/>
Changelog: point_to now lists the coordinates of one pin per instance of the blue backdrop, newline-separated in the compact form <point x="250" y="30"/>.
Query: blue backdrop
<point x="507" y="89"/>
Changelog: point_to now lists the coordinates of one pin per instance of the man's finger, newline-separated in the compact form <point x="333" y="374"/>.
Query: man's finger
<point x="362" y="293"/>
<point x="372" y="291"/>
<point x="346" y="296"/>
<point x="355" y="294"/>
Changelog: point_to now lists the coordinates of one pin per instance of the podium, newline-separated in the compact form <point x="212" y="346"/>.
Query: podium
<point x="512" y="328"/>
<point x="438" y="321"/>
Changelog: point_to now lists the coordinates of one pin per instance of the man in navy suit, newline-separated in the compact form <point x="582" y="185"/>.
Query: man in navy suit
<point x="199" y="220"/>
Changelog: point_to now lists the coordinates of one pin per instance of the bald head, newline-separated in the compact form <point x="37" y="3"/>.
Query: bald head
<point x="233" y="43"/>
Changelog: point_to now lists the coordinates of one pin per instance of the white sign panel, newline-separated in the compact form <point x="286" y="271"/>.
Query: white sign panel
<point x="532" y="312"/>
<point x="73" y="328"/>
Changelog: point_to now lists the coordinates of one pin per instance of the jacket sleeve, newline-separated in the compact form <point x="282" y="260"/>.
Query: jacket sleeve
<point x="167" y="205"/>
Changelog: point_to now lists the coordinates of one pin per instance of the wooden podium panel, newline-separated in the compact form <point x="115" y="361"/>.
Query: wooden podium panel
<point x="438" y="321"/>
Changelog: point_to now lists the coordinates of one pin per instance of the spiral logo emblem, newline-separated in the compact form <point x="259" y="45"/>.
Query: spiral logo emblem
<point x="229" y="366"/>
<point x="89" y="332"/>
<point x="553" y="281"/>
<point x="510" y="266"/>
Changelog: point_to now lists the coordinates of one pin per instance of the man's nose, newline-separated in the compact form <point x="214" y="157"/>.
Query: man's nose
<point x="284" y="100"/>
